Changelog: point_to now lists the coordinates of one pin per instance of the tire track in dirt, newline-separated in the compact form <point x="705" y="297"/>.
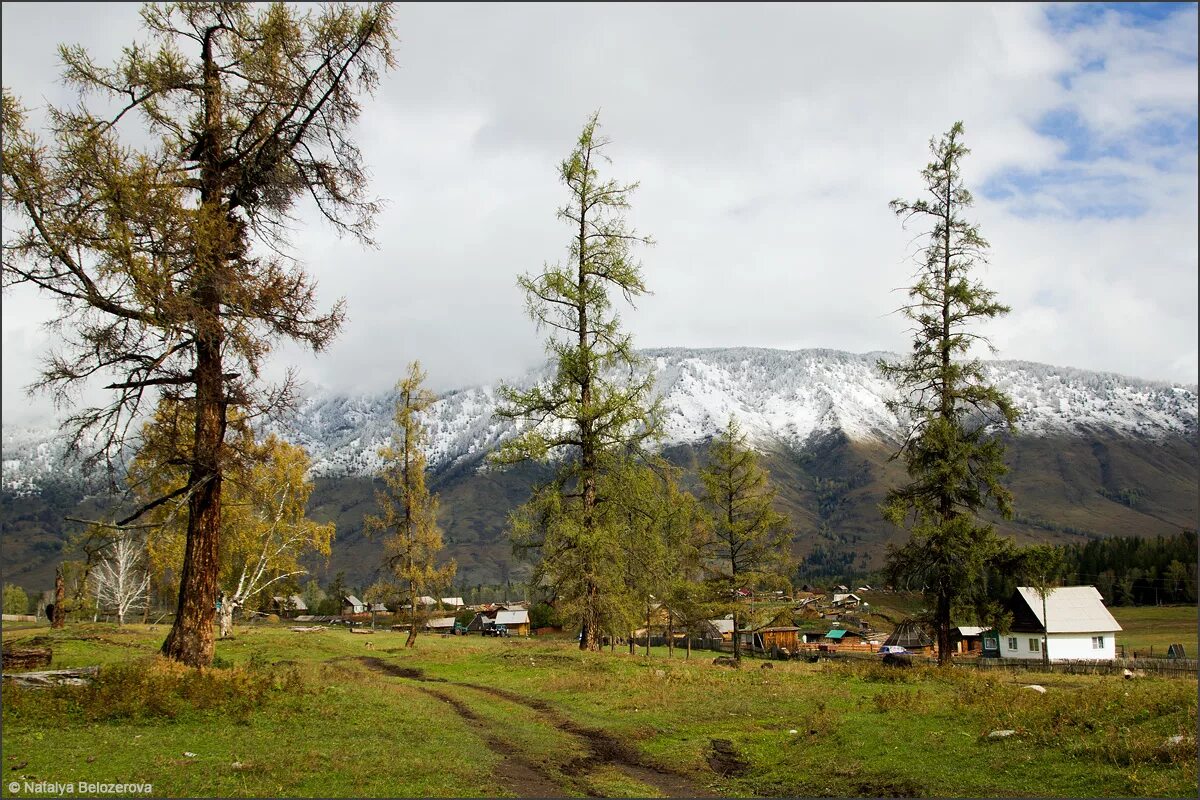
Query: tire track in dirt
<point x="525" y="778"/>
<point x="603" y="748"/>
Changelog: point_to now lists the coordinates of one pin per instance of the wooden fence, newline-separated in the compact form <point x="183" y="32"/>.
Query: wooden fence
<point x="1167" y="667"/>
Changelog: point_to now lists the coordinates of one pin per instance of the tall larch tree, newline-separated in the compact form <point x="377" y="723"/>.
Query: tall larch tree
<point x="953" y="453"/>
<point x="596" y="407"/>
<point x="160" y="218"/>
<point x="408" y="512"/>
<point x="749" y="538"/>
<point x="265" y="532"/>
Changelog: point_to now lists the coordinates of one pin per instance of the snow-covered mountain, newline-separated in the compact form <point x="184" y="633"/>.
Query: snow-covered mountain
<point x="778" y="397"/>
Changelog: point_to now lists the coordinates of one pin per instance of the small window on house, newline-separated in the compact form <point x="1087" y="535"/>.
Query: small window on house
<point x="1097" y="642"/>
<point x="1035" y="645"/>
<point x="1012" y="643"/>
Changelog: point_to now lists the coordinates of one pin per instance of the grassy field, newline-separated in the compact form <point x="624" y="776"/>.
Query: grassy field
<point x="322" y="714"/>
<point x="1158" y="626"/>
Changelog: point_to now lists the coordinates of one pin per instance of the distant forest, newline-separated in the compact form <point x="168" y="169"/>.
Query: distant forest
<point x="1132" y="571"/>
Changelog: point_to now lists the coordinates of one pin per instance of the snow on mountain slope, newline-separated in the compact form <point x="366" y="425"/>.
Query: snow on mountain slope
<point x="778" y="396"/>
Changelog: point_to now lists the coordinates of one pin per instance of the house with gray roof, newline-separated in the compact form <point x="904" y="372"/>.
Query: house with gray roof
<point x="1072" y="619"/>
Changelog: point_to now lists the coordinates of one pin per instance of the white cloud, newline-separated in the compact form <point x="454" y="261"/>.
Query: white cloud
<point x="767" y="140"/>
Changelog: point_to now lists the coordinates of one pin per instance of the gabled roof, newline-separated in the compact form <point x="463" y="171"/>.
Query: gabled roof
<point x="440" y="622"/>
<point x="453" y="601"/>
<point x="722" y="626"/>
<point x="298" y="603"/>
<point x="1071" y="609"/>
<point x="377" y="607"/>
<point x="518" y="617"/>
<point x="353" y="601"/>
<point x="426" y="600"/>
<point x="969" y="630"/>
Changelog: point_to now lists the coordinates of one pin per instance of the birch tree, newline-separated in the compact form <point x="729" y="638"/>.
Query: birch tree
<point x="158" y="212"/>
<point x="596" y="408"/>
<point x="408" y="512"/>
<point x="120" y="579"/>
<point x="952" y="451"/>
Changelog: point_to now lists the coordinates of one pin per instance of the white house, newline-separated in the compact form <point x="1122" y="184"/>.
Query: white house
<point x="352" y="605"/>
<point x="1076" y="625"/>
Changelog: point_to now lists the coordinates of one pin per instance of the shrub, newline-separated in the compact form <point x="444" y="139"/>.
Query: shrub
<point x="154" y="688"/>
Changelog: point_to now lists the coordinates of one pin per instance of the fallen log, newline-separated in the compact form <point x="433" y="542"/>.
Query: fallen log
<point x="308" y="629"/>
<point x="52" y="677"/>
<point x="361" y="630"/>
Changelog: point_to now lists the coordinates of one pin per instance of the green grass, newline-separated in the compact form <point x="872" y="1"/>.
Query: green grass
<point x="1157" y="626"/>
<point x="293" y="714"/>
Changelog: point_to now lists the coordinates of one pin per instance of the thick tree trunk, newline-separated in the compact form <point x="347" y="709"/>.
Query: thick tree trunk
<point x="60" y="595"/>
<point x="737" y="639"/>
<point x="412" y="623"/>
<point x="191" y="638"/>
<point x="670" y="635"/>
<point x="943" y="629"/>
<point x="647" y="630"/>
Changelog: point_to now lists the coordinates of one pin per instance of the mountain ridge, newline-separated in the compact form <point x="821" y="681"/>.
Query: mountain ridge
<point x="781" y="397"/>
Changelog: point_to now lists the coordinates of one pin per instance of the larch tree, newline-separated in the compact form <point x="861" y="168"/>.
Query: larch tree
<point x="749" y="539"/>
<point x="160" y="219"/>
<point x="408" y="512"/>
<point x="952" y="451"/>
<point x="265" y="531"/>
<point x="596" y="408"/>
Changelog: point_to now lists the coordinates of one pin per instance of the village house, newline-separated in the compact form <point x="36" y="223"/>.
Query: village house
<point x="1074" y="621"/>
<point x="846" y="600"/>
<point x="717" y="630"/>
<point x="967" y="638"/>
<point x="352" y="605"/>
<point x="288" y="606"/>
<point x="440" y="625"/>
<point x="515" y="621"/>
<point x="453" y="602"/>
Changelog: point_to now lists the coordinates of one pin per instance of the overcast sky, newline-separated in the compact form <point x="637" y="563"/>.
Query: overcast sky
<point x="768" y="141"/>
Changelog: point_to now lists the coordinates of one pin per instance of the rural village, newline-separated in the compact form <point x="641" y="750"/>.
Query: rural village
<point x="505" y="547"/>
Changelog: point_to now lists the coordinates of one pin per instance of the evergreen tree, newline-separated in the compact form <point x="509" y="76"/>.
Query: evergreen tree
<point x="408" y="510"/>
<point x="953" y="456"/>
<point x="163" y="227"/>
<point x="587" y="415"/>
<point x="749" y="537"/>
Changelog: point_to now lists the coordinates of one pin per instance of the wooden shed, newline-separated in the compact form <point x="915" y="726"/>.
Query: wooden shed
<point x="782" y="637"/>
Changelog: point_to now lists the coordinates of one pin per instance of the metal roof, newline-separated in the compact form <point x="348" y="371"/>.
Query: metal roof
<point x="352" y="600"/>
<point x="836" y="633"/>
<point x="722" y="625"/>
<point x="440" y="622"/>
<point x="1071" y="609"/>
<point x="512" y="617"/>
<point x="453" y="601"/>
<point x="969" y="630"/>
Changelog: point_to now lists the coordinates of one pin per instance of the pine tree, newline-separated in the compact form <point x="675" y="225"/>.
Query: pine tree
<point x="749" y="537"/>
<point x="588" y="415"/>
<point x="954" y="458"/>
<point x="170" y="258"/>
<point x="408" y="510"/>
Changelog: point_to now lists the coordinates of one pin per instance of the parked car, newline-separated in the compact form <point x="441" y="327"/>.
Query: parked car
<point x="895" y="650"/>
